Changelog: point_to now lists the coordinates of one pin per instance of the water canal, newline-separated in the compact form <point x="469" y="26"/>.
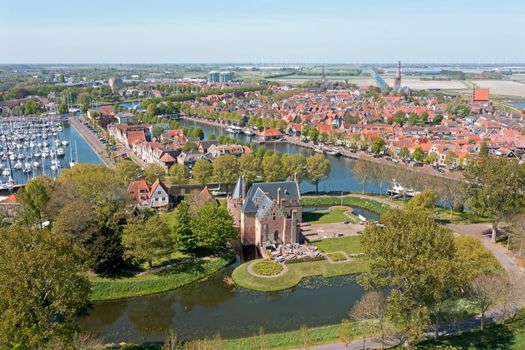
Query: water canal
<point x="212" y="306"/>
<point x="340" y="178"/>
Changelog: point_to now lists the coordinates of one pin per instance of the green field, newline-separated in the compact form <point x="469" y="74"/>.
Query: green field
<point x="296" y="272"/>
<point x="182" y="273"/>
<point x="351" y="201"/>
<point x="350" y="245"/>
<point x="333" y="215"/>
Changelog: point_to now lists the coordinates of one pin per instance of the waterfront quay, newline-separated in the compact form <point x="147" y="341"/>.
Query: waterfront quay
<point x="93" y="140"/>
<point x="347" y="153"/>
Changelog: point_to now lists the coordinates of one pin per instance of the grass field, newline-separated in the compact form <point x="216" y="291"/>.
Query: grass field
<point x="296" y="272"/>
<point x="350" y="245"/>
<point x="180" y="274"/>
<point x="330" y="216"/>
<point x="454" y="217"/>
<point x="351" y="201"/>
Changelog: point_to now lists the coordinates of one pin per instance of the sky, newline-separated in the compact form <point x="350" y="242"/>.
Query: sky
<point x="262" y="31"/>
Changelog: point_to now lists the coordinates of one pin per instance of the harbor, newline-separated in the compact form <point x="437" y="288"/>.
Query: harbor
<point x="31" y="147"/>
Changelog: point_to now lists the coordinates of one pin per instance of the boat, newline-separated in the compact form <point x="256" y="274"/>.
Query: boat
<point x="36" y="164"/>
<point x="318" y="150"/>
<point x="65" y="143"/>
<point x="60" y="152"/>
<point x="332" y="151"/>
<point x="248" y="131"/>
<point x="6" y="172"/>
<point x="234" y="129"/>
<point x="399" y="191"/>
<point x="21" y="156"/>
<point x="18" y="166"/>
<point x="73" y="162"/>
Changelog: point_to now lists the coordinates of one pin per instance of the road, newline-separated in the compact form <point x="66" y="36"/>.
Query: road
<point x="93" y="141"/>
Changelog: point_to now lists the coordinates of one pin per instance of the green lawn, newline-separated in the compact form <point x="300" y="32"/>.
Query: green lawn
<point x="351" y="201"/>
<point x="350" y="245"/>
<point x="324" y="217"/>
<point x="182" y="273"/>
<point x="296" y="272"/>
<point x="458" y="218"/>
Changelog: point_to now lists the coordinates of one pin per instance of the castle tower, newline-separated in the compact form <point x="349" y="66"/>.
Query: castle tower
<point x="397" y="79"/>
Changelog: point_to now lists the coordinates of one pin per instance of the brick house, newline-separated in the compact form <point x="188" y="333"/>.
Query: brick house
<point x="267" y="212"/>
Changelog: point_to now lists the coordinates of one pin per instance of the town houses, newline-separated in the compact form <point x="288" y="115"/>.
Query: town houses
<point x="142" y="196"/>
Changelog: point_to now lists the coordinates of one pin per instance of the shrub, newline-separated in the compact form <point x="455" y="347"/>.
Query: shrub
<point x="337" y="256"/>
<point x="309" y="258"/>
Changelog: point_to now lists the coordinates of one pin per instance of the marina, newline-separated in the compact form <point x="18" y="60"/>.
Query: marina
<point x="31" y="147"/>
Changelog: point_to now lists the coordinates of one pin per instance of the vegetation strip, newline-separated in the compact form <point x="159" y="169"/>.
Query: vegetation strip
<point x="175" y="277"/>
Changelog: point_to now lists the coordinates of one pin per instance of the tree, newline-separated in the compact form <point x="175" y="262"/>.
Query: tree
<point x="378" y="145"/>
<point x="178" y="174"/>
<point x="360" y="170"/>
<point x="147" y="241"/>
<point x="157" y="131"/>
<point x="418" y="154"/>
<point x="432" y="157"/>
<point x="423" y="202"/>
<point x="43" y="288"/>
<point x="62" y="108"/>
<point x="412" y="256"/>
<point x="494" y="188"/>
<point x="487" y="290"/>
<point x="346" y="332"/>
<point x="372" y="307"/>
<point x="33" y="198"/>
<point x="317" y="169"/>
<point x="202" y="171"/>
<point x="404" y="153"/>
<point x="212" y="227"/>
<point x="226" y="169"/>
<point x="380" y="173"/>
<point x="182" y="233"/>
<point x="450" y="158"/>
<point x="104" y="197"/>
<point x="483" y="149"/>
<point x="272" y="168"/>
<point x="153" y="172"/>
<point x="31" y="107"/>
<point x="294" y="165"/>
<point x="250" y="167"/>
<point x="128" y="171"/>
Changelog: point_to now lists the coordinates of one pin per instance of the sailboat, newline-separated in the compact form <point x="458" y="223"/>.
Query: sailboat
<point x="73" y="162"/>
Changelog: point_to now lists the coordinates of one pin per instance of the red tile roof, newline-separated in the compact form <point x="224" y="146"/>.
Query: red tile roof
<point x="481" y="95"/>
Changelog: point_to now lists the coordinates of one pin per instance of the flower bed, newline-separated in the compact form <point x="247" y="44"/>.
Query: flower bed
<point x="267" y="268"/>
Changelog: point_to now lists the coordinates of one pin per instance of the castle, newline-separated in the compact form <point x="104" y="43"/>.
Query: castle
<point x="267" y="213"/>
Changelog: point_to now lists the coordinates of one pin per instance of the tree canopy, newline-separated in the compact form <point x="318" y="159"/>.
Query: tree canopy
<point x="494" y="188"/>
<point x="43" y="288"/>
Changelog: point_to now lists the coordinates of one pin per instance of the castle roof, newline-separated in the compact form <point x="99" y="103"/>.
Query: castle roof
<point x="260" y="194"/>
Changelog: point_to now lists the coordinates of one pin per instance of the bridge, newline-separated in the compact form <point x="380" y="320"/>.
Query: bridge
<point x="379" y="80"/>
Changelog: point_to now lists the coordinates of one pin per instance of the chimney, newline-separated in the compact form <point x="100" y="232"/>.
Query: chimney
<point x="279" y="196"/>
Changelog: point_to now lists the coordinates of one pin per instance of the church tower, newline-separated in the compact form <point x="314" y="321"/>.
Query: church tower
<point x="397" y="80"/>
